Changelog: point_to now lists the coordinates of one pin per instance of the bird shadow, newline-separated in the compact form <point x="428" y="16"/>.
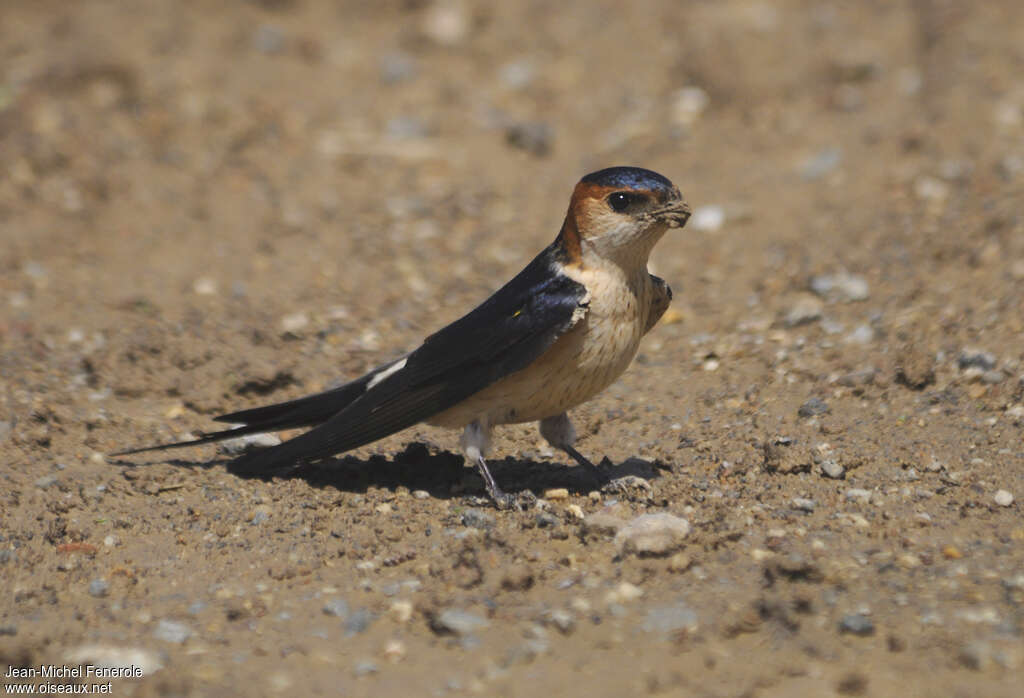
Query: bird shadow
<point x="443" y="474"/>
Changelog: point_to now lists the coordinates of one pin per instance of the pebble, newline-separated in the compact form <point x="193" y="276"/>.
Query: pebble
<point x="249" y="442"/>
<point x="475" y="518"/>
<point x="397" y="67"/>
<point x="688" y="103"/>
<point x="204" y="286"/>
<point x="358" y="622"/>
<point x="856" y="494"/>
<point x="821" y="163"/>
<point x="804" y="504"/>
<point x="99" y="588"/>
<point x="623" y="593"/>
<point x="805" y="309"/>
<point x="671" y="620"/>
<point x="111" y="656"/>
<point x="653" y="534"/>
<point x="458" y="622"/>
<point x="535" y="137"/>
<point x="976" y="358"/>
<point x="46" y="481"/>
<point x="394" y="651"/>
<point x="337" y="607"/>
<point x="446" y="23"/>
<point x="813" y="407"/>
<point x="294" y="322"/>
<point x="172" y="631"/>
<point x="1003" y="498"/>
<point x="561" y="619"/>
<point x="831" y="469"/>
<point x="842" y="286"/>
<point x="857" y="624"/>
<point x="708" y="218"/>
<point x="365" y="667"/>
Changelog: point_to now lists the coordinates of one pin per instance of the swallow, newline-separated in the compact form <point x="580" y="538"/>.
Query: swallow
<point x="561" y="331"/>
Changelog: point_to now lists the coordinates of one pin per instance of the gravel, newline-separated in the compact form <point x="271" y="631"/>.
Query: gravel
<point x="455" y="621"/>
<point x="1003" y="498"/>
<point x="813" y="407"/>
<point x="476" y="518"/>
<point x="172" y="631"/>
<point x="653" y="534"/>
<point x="337" y="607"/>
<point x="857" y="624"/>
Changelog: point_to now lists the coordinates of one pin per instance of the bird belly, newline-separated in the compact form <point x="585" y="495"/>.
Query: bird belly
<point x="580" y="364"/>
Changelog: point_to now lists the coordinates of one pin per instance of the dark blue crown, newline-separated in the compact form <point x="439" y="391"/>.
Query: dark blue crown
<point x="630" y="178"/>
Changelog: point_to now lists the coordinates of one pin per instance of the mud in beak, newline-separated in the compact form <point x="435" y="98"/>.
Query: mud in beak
<point x="675" y="214"/>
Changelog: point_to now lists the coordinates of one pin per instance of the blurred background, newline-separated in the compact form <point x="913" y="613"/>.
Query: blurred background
<point x="210" y="205"/>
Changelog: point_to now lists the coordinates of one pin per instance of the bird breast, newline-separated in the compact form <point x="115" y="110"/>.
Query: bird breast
<point x="581" y="363"/>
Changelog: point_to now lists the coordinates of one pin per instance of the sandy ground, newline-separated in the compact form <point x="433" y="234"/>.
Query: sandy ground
<point x="207" y="206"/>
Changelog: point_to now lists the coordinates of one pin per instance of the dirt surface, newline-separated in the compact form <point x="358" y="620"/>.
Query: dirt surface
<point x="208" y="206"/>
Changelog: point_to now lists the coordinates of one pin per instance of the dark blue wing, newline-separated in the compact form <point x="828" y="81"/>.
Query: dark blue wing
<point x="502" y="335"/>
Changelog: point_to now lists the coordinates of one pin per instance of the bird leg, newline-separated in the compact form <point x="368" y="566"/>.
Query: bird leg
<point x="560" y="433"/>
<point x="476" y="443"/>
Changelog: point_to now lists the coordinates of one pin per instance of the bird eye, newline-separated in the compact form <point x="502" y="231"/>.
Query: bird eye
<point x="619" y="201"/>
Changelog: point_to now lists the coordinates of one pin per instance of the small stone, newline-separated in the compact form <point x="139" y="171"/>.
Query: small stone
<point x="671" y="620"/>
<point x="458" y="622"/>
<point x="653" y="534"/>
<point x="915" y="367"/>
<point x="475" y="518"/>
<point x="813" y="408"/>
<point x="358" y="621"/>
<point x="446" y="23"/>
<point x="402" y="610"/>
<point x="623" y="593"/>
<point x="294" y="322"/>
<point x="688" y="103"/>
<point x="821" y="163"/>
<point x="831" y="469"/>
<point x="561" y="619"/>
<point x="99" y="588"/>
<point x="843" y="286"/>
<point x="247" y="443"/>
<point x="707" y="218"/>
<point x="397" y="67"/>
<point x="805" y="309"/>
<point x="394" y="651"/>
<point x="857" y="624"/>
<point x="856" y="494"/>
<point x="804" y="504"/>
<point x="172" y="631"/>
<point x="337" y="607"/>
<point x="1003" y="498"/>
<point x="535" y="137"/>
<point x="46" y="481"/>
<point x="976" y="358"/>
<point x="204" y="286"/>
<point x="365" y="667"/>
<point x="112" y="657"/>
<point x="556" y="494"/>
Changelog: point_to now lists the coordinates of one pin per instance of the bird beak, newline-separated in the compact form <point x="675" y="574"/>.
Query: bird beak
<point x="675" y="214"/>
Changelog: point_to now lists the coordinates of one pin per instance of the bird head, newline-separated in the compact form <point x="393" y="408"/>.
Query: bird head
<point x="619" y="213"/>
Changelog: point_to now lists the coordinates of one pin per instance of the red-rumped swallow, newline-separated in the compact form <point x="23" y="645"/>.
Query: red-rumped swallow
<point x="561" y="331"/>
